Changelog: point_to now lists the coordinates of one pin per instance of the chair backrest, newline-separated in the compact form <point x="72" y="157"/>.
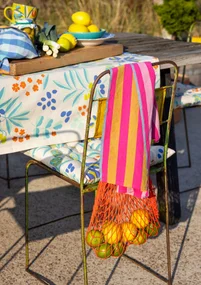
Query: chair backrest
<point x="194" y="36"/>
<point x="164" y="95"/>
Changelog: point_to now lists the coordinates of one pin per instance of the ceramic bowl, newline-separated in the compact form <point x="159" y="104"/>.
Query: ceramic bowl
<point x="88" y="36"/>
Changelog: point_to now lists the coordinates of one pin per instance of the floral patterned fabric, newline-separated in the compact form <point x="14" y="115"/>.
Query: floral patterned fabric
<point x="187" y="95"/>
<point x="50" y="107"/>
<point x="66" y="158"/>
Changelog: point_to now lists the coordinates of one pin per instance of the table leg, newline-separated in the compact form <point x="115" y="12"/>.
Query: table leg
<point x="172" y="171"/>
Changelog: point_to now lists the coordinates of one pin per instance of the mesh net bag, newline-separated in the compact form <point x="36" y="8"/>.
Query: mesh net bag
<point x="119" y="220"/>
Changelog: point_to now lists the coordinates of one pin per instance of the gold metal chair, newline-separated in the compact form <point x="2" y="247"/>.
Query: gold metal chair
<point x="167" y="94"/>
<point x="194" y="35"/>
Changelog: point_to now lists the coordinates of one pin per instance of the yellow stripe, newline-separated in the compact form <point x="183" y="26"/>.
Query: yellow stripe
<point x="132" y="136"/>
<point x="144" y="173"/>
<point x="115" y="128"/>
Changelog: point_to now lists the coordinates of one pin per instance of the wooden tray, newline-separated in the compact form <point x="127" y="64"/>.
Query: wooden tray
<point x="78" y="55"/>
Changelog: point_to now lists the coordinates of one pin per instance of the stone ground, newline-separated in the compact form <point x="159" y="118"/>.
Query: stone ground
<point x="55" y="249"/>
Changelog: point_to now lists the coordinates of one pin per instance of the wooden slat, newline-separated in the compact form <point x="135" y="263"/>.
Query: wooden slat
<point x="182" y="53"/>
<point x="78" y="55"/>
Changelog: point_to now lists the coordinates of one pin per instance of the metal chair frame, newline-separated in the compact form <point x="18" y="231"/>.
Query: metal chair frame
<point x="189" y="36"/>
<point x="92" y="187"/>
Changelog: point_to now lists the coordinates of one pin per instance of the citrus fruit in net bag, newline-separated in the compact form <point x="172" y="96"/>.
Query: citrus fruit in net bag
<point x="94" y="238"/>
<point x="118" y="249"/>
<point x="104" y="250"/>
<point x="129" y="232"/>
<point x="112" y="232"/>
<point x="140" y="238"/>
<point x="152" y="229"/>
<point x="81" y="18"/>
<point x="140" y="218"/>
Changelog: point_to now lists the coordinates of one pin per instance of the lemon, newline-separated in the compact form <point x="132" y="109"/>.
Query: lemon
<point x="93" y="28"/>
<point x="129" y="232"/>
<point x="75" y="28"/>
<point x="65" y="44"/>
<point x="112" y="232"/>
<point x="81" y="18"/>
<point x="71" y="39"/>
<point x="140" y="218"/>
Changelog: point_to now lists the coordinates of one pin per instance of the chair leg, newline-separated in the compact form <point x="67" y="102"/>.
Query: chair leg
<point x="7" y="171"/>
<point x="26" y="217"/>
<point x="167" y="232"/>
<point x="84" y="256"/>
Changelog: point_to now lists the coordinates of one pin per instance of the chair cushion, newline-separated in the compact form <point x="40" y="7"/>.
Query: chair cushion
<point x="66" y="158"/>
<point x="187" y="95"/>
<point x="156" y="155"/>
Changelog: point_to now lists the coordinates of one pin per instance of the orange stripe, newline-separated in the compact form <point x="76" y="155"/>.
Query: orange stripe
<point x="132" y="137"/>
<point x="144" y="174"/>
<point x="115" y="128"/>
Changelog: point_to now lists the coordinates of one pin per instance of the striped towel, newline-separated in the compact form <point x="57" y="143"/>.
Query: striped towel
<point x="131" y="122"/>
<point x="14" y="44"/>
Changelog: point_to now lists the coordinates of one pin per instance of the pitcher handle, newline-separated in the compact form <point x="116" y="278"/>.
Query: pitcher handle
<point x="5" y="13"/>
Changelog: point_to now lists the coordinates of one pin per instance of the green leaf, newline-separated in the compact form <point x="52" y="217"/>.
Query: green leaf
<point x="8" y="126"/>
<point x="61" y="85"/>
<point x="39" y="121"/>
<point x="49" y="124"/>
<point x="11" y="104"/>
<point x="68" y="96"/>
<point x="2" y="92"/>
<point x="45" y="82"/>
<point x="14" y="110"/>
<point x="22" y="114"/>
<point x="72" y="78"/>
<point x="66" y="79"/>
<point x="5" y="103"/>
<point x="57" y="126"/>
<point x="47" y="133"/>
<point x="86" y="76"/>
<point x="77" y="97"/>
<point x="17" y="124"/>
<point x="19" y="118"/>
<point x="37" y="132"/>
<point x="80" y="81"/>
<point x="56" y="161"/>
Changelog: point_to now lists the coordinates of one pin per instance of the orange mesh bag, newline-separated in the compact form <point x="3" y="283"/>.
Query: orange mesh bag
<point x="124" y="212"/>
<point x="120" y="220"/>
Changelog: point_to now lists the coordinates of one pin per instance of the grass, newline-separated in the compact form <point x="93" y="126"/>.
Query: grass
<point x="135" y="16"/>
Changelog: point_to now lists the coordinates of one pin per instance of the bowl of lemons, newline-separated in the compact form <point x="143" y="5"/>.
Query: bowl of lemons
<point x="83" y="28"/>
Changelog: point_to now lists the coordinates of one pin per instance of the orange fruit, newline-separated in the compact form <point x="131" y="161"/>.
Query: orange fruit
<point x="94" y="238"/>
<point x="140" y="238"/>
<point x="118" y="249"/>
<point x="129" y="232"/>
<point x="152" y="229"/>
<point x="140" y="218"/>
<point x="112" y="232"/>
<point x="104" y="250"/>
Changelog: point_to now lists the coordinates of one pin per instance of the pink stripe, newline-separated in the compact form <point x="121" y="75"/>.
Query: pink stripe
<point x="124" y="125"/>
<point x="146" y="78"/>
<point x="137" y="176"/>
<point x="143" y="78"/>
<point x="155" y="118"/>
<point x="108" y="124"/>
